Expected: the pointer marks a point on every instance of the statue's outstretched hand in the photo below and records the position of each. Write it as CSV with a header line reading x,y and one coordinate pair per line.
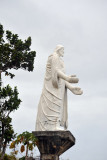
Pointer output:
x,y
73,79
77,90
73,75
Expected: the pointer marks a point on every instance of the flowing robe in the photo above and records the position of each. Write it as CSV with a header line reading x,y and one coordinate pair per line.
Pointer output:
x,y
52,108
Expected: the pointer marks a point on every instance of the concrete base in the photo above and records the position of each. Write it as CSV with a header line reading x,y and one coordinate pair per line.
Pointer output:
x,y
52,144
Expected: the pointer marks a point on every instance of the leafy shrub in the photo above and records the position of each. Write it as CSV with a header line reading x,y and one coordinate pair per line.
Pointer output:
x,y
9,157
23,158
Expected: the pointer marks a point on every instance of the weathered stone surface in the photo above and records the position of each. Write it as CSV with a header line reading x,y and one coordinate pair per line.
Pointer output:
x,y
52,144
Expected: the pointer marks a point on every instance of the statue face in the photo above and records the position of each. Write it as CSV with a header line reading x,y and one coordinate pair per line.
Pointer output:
x,y
61,52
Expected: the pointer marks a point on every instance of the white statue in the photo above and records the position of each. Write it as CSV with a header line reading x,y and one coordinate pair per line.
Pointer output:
x,y
52,109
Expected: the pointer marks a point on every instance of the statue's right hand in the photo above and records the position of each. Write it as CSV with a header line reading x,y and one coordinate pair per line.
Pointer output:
x,y
73,75
73,79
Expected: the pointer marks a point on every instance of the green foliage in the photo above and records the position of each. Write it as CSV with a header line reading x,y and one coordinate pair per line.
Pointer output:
x,y
23,158
9,157
10,103
14,53
27,140
10,96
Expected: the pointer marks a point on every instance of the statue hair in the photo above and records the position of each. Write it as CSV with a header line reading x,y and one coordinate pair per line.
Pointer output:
x,y
58,47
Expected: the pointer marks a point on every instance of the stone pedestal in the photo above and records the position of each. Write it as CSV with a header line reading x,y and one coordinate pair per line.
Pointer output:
x,y
52,144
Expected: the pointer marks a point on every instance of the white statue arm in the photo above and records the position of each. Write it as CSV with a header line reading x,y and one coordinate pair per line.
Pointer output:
x,y
70,79
74,90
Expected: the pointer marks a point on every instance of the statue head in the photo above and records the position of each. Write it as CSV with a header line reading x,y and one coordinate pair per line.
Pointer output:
x,y
59,50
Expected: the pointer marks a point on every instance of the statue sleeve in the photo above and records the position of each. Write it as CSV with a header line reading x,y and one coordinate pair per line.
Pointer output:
x,y
54,70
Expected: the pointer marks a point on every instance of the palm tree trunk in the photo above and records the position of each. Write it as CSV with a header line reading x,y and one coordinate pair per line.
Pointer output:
x,y
26,152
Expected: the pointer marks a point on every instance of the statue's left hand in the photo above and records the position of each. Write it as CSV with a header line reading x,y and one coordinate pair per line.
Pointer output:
x,y
77,90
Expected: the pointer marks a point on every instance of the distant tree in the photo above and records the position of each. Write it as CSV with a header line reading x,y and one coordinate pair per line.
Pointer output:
x,y
14,54
10,102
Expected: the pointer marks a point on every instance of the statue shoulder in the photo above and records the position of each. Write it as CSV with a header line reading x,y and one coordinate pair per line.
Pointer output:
x,y
53,57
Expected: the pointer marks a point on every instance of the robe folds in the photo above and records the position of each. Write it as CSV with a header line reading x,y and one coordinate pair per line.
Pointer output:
x,y
52,108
